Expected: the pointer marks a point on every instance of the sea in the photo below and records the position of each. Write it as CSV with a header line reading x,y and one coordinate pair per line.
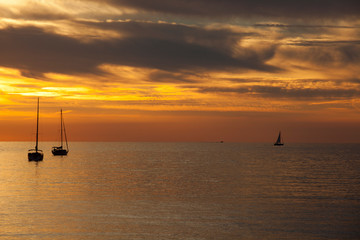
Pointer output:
x,y
195,191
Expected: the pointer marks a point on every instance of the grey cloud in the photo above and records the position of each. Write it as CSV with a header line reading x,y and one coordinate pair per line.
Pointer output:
x,y
355,80
323,53
163,76
287,93
325,43
279,25
223,39
299,30
225,8
34,51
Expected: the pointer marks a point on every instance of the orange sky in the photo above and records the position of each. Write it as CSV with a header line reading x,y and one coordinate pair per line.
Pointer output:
x,y
206,71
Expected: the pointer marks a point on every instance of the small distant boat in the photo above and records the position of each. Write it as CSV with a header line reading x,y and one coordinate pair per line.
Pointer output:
x,y
36,154
60,151
279,141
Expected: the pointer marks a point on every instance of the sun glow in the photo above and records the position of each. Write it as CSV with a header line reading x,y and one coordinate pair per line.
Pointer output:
x,y
103,61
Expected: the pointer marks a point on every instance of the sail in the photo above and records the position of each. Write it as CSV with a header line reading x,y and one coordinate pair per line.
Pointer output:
x,y
279,140
67,146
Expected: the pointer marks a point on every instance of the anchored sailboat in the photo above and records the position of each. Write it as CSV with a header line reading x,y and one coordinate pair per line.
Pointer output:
x,y
36,154
60,150
279,141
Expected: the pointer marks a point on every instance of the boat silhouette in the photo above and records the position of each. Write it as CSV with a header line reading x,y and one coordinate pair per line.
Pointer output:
x,y
60,151
36,154
279,141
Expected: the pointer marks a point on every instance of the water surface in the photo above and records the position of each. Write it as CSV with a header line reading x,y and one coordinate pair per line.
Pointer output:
x,y
181,191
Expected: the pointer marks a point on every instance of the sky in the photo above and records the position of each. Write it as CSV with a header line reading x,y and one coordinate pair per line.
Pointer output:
x,y
181,70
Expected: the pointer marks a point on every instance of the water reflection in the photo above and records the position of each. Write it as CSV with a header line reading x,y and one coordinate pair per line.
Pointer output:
x,y
181,191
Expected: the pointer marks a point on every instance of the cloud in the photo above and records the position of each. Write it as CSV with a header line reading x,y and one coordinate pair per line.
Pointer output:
x,y
310,30
310,43
297,26
164,76
34,11
54,10
323,53
33,52
166,47
281,92
243,9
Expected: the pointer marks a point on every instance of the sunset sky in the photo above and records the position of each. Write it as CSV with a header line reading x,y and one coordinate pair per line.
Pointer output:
x,y
181,70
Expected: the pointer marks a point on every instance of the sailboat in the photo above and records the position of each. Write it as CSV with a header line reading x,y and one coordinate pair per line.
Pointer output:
x,y
36,154
60,150
279,141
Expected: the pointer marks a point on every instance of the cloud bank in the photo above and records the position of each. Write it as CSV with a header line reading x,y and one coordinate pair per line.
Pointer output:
x,y
248,8
221,45
160,46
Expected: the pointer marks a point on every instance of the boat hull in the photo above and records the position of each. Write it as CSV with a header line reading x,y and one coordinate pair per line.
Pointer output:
x,y
278,144
35,156
59,152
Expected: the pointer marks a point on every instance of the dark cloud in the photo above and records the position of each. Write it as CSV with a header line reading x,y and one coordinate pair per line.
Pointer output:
x,y
354,80
301,30
326,43
167,47
163,76
279,25
243,80
34,52
247,8
279,92
323,53
222,39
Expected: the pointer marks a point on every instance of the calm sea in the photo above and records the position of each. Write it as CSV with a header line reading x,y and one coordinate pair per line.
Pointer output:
x,y
181,191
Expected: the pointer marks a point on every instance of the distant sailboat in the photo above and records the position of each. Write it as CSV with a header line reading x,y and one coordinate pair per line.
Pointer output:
x,y
279,141
36,154
60,150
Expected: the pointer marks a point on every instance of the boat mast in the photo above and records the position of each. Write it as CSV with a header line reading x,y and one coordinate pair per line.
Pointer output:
x,y
37,126
61,128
